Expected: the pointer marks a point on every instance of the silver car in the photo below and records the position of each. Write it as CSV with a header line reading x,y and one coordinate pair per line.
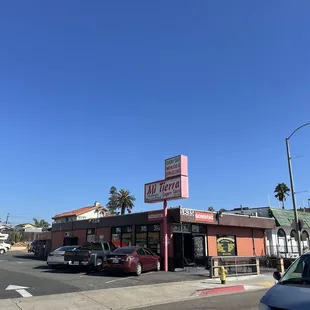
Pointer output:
x,y
56,258
293,288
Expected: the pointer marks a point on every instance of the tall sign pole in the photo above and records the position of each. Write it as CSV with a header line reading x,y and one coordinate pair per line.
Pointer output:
x,y
165,233
173,187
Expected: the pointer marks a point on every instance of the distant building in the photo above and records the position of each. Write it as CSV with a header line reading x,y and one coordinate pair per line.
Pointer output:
x,y
22,227
281,241
91,212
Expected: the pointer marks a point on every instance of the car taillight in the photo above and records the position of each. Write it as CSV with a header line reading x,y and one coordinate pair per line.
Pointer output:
x,y
62,254
89,255
129,258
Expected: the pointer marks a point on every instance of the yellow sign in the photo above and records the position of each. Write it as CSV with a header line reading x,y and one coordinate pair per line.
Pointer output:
x,y
226,245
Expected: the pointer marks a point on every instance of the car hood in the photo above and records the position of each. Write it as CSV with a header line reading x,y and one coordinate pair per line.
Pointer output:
x,y
288,297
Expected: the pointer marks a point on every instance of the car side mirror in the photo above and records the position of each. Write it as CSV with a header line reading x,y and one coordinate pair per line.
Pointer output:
x,y
277,275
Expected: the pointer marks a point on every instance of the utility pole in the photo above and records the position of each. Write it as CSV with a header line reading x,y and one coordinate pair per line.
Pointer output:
x,y
7,218
288,154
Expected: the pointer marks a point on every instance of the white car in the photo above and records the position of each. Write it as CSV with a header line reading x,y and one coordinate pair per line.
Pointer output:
x,y
5,244
293,288
56,258
3,249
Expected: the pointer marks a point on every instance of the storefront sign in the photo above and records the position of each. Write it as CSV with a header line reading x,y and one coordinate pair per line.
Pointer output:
x,y
176,166
226,245
187,212
206,217
155,216
170,189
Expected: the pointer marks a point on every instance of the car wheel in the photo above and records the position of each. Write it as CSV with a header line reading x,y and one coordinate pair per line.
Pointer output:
x,y
2,251
139,269
158,266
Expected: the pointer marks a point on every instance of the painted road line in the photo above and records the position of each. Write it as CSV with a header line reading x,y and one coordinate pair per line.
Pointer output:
x,y
118,280
24,293
19,289
267,284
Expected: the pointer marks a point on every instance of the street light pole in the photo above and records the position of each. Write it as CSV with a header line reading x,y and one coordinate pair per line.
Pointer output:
x,y
293,194
292,185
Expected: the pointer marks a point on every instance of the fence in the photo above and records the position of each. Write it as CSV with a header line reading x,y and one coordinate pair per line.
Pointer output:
x,y
235,265
29,236
268,264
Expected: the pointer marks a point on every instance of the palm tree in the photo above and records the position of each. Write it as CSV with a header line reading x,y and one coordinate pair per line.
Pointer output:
x,y
124,201
282,191
211,209
40,223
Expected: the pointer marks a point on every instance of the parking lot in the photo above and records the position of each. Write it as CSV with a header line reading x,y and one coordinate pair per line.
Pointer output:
x,y
36,278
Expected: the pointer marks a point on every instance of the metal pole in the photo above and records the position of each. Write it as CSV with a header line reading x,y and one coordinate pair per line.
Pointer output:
x,y
165,237
293,194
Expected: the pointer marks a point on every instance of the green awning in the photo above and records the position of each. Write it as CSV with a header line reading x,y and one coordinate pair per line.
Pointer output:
x,y
286,217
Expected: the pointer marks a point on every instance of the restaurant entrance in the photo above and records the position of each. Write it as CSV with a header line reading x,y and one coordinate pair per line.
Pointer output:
x,y
189,245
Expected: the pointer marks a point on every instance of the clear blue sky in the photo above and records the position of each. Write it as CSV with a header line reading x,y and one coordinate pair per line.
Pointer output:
x,y
99,93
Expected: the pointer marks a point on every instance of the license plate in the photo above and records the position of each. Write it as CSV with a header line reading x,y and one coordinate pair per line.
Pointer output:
x,y
115,260
75,263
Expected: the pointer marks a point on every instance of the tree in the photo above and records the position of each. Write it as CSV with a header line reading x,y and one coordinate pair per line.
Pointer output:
x,y
211,209
222,210
121,200
112,202
281,191
40,223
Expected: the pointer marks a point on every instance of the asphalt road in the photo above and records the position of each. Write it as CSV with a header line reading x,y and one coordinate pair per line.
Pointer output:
x,y
240,301
22,269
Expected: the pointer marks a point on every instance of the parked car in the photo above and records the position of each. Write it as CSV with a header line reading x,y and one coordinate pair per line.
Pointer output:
x,y
91,254
3,249
132,259
33,245
57,257
292,290
5,244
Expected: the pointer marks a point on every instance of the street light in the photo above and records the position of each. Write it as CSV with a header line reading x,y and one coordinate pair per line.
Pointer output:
x,y
292,184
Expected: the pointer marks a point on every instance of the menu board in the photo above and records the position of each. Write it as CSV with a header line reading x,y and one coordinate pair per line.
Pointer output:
x,y
199,246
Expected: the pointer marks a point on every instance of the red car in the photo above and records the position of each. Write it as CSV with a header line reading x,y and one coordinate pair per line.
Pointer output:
x,y
132,259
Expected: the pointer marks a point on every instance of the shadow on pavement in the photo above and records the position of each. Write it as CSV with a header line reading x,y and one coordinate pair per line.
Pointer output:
x,y
28,256
60,269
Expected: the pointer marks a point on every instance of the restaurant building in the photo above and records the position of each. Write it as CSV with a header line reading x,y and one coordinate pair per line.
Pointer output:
x,y
193,235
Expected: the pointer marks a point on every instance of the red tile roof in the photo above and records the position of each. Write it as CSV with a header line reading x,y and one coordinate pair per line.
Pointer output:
x,y
80,211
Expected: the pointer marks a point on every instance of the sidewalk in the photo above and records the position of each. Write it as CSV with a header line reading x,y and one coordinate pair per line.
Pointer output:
x,y
138,296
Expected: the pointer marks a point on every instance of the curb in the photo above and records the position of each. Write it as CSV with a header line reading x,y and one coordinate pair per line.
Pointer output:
x,y
220,290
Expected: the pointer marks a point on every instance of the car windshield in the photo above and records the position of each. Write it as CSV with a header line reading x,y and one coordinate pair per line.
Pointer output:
x,y
299,272
124,251
67,248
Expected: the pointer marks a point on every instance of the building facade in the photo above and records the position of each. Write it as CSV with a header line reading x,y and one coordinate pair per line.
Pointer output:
x,y
193,235
282,240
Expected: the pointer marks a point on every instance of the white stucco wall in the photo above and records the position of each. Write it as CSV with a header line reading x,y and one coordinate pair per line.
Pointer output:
x,y
284,247
85,216
93,214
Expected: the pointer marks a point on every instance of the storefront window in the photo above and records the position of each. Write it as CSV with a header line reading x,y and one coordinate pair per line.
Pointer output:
x,y
153,242
116,236
226,245
141,235
198,229
122,236
126,237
